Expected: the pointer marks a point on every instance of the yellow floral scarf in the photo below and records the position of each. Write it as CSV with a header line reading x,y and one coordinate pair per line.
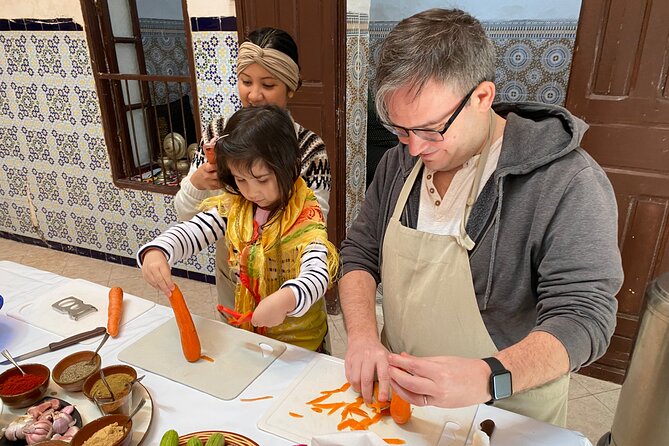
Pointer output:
x,y
266,260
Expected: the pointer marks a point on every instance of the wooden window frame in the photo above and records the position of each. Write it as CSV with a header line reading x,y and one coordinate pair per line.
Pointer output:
x,y
105,72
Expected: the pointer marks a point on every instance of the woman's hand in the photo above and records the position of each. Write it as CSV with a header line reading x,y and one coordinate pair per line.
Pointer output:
x,y
205,177
272,310
443,381
157,272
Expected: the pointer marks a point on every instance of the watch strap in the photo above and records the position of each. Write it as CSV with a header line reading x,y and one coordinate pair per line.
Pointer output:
x,y
497,368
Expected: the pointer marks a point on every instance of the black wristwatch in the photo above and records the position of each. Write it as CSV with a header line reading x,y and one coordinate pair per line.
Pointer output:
x,y
500,380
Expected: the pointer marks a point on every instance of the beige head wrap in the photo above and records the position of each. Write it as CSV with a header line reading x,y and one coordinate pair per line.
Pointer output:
x,y
279,64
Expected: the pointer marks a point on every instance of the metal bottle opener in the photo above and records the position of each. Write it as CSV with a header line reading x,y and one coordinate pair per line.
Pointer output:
x,y
74,307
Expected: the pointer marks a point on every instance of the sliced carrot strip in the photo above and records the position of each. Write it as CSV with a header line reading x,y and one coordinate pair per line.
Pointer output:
x,y
357,411
296,415
317,409
319,399
347,423
246,400
394,441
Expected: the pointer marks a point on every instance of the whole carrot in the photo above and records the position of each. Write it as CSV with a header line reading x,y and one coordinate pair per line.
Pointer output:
x,y
114,311
190,342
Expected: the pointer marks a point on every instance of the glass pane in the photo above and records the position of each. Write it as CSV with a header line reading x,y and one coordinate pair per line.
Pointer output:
x,y
163,37
138,137
121,21
126,57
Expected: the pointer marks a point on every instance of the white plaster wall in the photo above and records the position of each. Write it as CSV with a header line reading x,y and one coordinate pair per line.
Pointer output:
x,y
209,8
358,6
41,9
485,10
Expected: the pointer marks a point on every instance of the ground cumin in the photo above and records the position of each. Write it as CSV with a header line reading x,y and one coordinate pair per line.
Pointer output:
x,y
117,382
106,436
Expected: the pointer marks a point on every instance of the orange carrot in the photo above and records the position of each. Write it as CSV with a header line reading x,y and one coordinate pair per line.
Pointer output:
x,y
295,415
246,400
190,342
394,441
114,311
400,409
210,153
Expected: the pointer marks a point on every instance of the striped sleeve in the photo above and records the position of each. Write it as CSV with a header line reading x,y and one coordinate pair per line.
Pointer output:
x,y
313,280
187,238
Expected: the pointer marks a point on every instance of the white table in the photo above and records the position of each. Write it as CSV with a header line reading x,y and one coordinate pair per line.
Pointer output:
x,y
186,410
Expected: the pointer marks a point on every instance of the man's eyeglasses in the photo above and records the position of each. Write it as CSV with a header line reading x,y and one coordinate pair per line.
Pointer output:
x,y
428,134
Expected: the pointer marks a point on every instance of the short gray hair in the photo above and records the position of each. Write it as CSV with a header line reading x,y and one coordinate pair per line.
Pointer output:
x,y
445,45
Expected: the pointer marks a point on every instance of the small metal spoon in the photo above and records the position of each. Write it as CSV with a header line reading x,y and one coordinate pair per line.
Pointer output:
x,y
134,412
104,381
104,339
6,354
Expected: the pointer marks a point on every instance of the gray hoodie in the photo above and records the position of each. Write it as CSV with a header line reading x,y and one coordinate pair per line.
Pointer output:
x,y
545,227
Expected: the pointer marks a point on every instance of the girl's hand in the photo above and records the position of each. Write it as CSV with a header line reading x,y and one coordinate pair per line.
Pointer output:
x,y
157,272
205,177
272,310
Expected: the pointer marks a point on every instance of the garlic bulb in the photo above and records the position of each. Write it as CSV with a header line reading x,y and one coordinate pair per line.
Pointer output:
x,y
15,429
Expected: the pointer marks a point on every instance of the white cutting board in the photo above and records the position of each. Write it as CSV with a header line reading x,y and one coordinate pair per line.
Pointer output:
x,y
39,312
239,356
425,427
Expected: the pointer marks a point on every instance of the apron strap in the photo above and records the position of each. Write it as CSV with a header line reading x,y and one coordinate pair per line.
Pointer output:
x,y
467,242
406,189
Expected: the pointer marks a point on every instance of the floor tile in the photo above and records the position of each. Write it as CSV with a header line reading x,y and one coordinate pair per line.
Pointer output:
x,y
576,389
589,416
595,385
86,268
609,399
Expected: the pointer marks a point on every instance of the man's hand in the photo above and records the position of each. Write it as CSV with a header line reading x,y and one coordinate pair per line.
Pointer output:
x,y
445,381
205,177
157,272
272,310
367,361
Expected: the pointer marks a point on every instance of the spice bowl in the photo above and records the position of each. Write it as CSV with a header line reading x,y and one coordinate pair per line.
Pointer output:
x,y
109,372
102,427
26,397
71,372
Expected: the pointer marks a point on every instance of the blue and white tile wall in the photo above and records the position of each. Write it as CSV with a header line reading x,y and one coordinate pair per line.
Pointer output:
x,y
357,56
54,155
534,57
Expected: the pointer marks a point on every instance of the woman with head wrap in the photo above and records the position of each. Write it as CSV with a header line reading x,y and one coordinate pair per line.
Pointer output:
x,y
267,73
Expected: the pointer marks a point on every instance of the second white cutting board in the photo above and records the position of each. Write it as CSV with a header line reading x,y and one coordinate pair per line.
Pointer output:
x,y
39,312
428,426
239,356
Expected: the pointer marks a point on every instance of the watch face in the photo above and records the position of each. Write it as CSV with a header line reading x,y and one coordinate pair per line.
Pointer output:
x,y
502,386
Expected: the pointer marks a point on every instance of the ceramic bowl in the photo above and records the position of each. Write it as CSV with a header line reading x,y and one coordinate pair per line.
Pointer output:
x,y
108,371
25,399
75,386
90,428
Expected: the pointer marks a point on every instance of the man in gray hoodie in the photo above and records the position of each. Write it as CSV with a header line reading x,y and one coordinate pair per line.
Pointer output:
x,y
493,232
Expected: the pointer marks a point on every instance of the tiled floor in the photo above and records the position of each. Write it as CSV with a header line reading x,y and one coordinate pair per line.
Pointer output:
x,y
592,402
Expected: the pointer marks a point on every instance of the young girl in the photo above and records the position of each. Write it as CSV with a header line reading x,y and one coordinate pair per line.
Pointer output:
x,y
272,224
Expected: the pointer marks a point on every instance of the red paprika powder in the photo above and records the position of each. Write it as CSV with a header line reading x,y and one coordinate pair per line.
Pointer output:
x,y
16,384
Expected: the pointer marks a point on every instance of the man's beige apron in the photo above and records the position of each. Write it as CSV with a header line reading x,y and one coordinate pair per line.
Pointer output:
x,y
430,307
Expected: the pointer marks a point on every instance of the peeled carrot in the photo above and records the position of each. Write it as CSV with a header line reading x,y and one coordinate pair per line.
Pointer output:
x,y
400,409
114,311
190,342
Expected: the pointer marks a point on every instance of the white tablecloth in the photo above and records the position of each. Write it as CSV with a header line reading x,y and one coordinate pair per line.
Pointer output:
x,y
186,410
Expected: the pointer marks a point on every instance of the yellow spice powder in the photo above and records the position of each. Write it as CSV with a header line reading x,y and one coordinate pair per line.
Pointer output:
x,y
106,436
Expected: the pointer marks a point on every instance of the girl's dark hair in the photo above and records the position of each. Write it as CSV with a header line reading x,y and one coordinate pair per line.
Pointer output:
x,y
275,38
264,133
